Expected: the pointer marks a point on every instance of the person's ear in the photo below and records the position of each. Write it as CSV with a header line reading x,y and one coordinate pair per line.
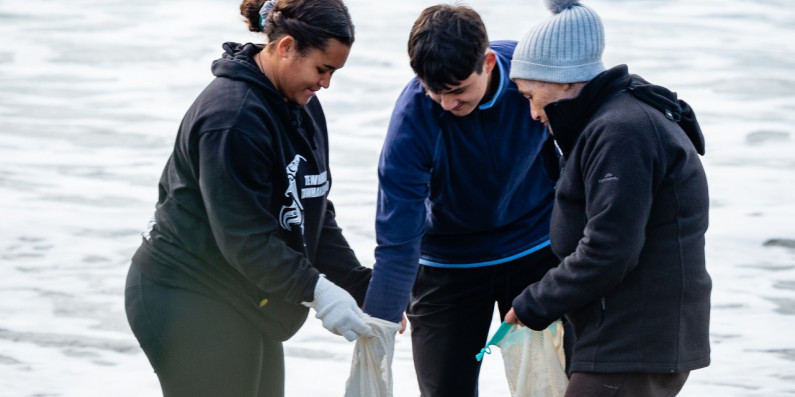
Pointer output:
x,y
285,45
490,61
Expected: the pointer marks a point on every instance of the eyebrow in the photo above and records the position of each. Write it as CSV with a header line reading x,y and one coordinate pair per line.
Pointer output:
x,y
457,89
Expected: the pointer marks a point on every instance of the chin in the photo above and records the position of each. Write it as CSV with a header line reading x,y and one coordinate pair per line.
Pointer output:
x,y
463,111
302,100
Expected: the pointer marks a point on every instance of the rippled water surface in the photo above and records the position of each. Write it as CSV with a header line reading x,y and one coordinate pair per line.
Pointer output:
x,y
91,93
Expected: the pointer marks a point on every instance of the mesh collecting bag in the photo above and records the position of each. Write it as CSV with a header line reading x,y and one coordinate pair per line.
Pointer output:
x,y
534,360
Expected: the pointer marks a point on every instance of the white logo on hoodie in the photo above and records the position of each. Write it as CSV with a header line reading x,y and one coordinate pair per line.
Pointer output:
x,y
314,186
292,214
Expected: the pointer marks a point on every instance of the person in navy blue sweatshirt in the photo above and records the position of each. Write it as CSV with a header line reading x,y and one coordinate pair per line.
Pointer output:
x,y
631,213
466,181
243,227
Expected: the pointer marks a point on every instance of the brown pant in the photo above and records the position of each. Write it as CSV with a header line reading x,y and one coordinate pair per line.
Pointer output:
x,y
589,384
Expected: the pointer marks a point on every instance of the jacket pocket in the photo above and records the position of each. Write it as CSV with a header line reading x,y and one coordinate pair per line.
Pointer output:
x,y
588,318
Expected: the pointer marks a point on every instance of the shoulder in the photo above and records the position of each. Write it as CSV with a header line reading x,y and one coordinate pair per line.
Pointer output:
x,y
415,122
413,92
503,48
231,105
626,113
623,125
414,105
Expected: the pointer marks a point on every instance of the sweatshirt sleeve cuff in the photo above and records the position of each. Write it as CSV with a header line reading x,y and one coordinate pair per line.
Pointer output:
x,y
523,306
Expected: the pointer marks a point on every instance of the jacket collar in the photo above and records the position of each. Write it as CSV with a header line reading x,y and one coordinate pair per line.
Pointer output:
x,y
569,117
502,83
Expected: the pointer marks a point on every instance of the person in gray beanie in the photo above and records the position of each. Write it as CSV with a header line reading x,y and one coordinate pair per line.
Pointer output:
x,y
629,219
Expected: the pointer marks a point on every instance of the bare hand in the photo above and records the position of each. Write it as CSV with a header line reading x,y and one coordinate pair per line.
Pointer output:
x,y
511,318
403,324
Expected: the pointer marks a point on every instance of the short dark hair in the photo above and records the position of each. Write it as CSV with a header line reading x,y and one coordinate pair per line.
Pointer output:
x,y
446,45
310,22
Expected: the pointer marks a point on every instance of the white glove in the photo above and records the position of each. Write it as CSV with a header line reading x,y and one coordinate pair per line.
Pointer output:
x,y
338,311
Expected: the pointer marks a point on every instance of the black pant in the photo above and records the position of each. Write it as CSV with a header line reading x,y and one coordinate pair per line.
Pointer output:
x,y
588,384
199,346
450,313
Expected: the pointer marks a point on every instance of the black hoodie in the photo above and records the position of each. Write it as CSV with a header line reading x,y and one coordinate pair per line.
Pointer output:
x,y
631,211
243,214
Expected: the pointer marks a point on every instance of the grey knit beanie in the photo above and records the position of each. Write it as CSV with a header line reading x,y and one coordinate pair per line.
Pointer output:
x,y
565,48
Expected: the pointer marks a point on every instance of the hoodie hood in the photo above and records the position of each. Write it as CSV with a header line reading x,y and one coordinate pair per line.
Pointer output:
x,y
673,108
237,63
568,117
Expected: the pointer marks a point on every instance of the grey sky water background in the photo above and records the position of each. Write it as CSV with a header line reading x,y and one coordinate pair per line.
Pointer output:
x,y
91,94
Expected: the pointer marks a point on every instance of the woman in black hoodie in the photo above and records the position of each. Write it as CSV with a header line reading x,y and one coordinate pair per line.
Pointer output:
x,y
243,230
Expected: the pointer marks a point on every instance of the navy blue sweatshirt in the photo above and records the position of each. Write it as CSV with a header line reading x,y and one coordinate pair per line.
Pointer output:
x,y
243,214
458,191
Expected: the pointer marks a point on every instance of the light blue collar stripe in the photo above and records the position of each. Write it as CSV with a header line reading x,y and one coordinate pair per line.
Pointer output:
x,y
497,94
483,264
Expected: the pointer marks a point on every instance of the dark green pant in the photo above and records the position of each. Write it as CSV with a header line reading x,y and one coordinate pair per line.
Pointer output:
x,y
200,346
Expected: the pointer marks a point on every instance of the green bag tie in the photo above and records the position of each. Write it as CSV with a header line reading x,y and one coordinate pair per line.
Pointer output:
x,y
501,332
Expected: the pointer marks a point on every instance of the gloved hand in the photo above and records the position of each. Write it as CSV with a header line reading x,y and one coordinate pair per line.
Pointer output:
x,y
337,309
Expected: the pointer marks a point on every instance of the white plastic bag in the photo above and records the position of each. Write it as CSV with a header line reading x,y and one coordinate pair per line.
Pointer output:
x,y
535,363
371,367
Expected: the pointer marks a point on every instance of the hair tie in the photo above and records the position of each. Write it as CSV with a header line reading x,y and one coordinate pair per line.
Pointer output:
x,y
263,13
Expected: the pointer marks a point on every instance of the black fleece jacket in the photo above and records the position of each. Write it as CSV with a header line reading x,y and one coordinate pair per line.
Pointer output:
x,y
631,211
243,213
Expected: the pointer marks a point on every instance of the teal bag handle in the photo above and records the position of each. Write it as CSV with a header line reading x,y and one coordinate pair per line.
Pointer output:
x,y
501,332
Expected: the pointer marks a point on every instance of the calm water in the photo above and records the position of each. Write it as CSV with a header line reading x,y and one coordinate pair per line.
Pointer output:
x,y
91,93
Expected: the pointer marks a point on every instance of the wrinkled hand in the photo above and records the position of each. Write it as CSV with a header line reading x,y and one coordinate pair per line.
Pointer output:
x,y
337,309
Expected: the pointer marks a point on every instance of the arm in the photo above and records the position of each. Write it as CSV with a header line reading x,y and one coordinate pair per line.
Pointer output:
x,y
238,201
616,211
338,262
333,256
404,173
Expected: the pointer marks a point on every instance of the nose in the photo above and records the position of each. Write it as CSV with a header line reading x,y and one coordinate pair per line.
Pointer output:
x,y
448,102
534,113
325,80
